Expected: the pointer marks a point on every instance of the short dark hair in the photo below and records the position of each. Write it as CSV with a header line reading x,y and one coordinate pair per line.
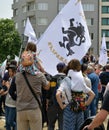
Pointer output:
x,y
60,66
31,47
84,67
107,66
74,64
13,62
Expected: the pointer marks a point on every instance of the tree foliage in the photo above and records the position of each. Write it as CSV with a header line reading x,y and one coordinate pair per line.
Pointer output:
x,y
10,40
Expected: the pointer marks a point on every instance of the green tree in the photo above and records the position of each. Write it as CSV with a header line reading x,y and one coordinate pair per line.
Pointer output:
x,y
10,40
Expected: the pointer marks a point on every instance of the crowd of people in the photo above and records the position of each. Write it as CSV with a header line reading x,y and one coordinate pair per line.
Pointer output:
x,y
30,97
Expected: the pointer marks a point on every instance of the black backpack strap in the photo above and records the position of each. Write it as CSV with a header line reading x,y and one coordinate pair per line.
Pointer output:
x,y
32,91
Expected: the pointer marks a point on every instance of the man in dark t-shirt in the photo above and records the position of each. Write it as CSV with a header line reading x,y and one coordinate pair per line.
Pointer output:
x,y
104,79
101,116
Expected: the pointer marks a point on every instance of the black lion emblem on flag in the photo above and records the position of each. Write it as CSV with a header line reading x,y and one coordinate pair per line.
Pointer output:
x,y
73,36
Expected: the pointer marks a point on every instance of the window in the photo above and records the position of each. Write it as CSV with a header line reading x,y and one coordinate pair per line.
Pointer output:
x,y
15,12
24,9
105,21
42,6
107,45
61,6
42,21
106,32
105,0
32,20
88,7
90,22
16,1
91,36
40,34
16,25
23,23
105,9
31,6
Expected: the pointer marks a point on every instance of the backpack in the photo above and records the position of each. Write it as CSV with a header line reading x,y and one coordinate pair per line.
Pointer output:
x,y
27,58
55,83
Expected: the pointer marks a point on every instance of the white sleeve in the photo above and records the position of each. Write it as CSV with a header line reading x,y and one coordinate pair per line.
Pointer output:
x,y
86,89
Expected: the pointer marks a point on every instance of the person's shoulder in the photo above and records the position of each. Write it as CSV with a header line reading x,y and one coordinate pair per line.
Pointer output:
x,y
59,75
106,96
107,73
39,74
6,76
103,73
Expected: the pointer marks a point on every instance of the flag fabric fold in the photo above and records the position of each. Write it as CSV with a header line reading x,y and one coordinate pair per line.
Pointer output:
x,y
16,59
29,32
66,38
103,52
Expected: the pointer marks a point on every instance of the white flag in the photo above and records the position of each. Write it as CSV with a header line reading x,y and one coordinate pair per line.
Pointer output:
x,y
16,59
103,52
66,38
3,68
29,32
32,39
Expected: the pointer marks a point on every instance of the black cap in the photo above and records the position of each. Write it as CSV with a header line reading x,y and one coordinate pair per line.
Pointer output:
x,y
60,66
12,67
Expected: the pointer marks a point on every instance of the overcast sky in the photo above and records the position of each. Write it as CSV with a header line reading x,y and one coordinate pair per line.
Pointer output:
x,y
5,9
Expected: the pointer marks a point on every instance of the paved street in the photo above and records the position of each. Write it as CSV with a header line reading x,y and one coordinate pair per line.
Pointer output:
x,y
2,123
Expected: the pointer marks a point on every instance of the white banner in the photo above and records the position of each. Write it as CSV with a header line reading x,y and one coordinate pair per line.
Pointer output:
x,y
16,59
103,53
66,38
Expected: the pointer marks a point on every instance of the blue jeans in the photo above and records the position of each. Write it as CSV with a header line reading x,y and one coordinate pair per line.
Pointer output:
x,y
87,113
72,120
10,115
93,107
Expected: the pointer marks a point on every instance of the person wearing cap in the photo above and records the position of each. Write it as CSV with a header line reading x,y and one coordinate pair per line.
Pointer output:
x,y
104,79
10,104
4,89
54,112
13,63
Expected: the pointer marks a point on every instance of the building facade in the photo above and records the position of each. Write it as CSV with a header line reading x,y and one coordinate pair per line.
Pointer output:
x,y
104,21
42,12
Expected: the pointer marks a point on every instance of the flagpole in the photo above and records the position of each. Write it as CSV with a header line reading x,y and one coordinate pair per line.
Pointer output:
x,y
21,47
20,51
